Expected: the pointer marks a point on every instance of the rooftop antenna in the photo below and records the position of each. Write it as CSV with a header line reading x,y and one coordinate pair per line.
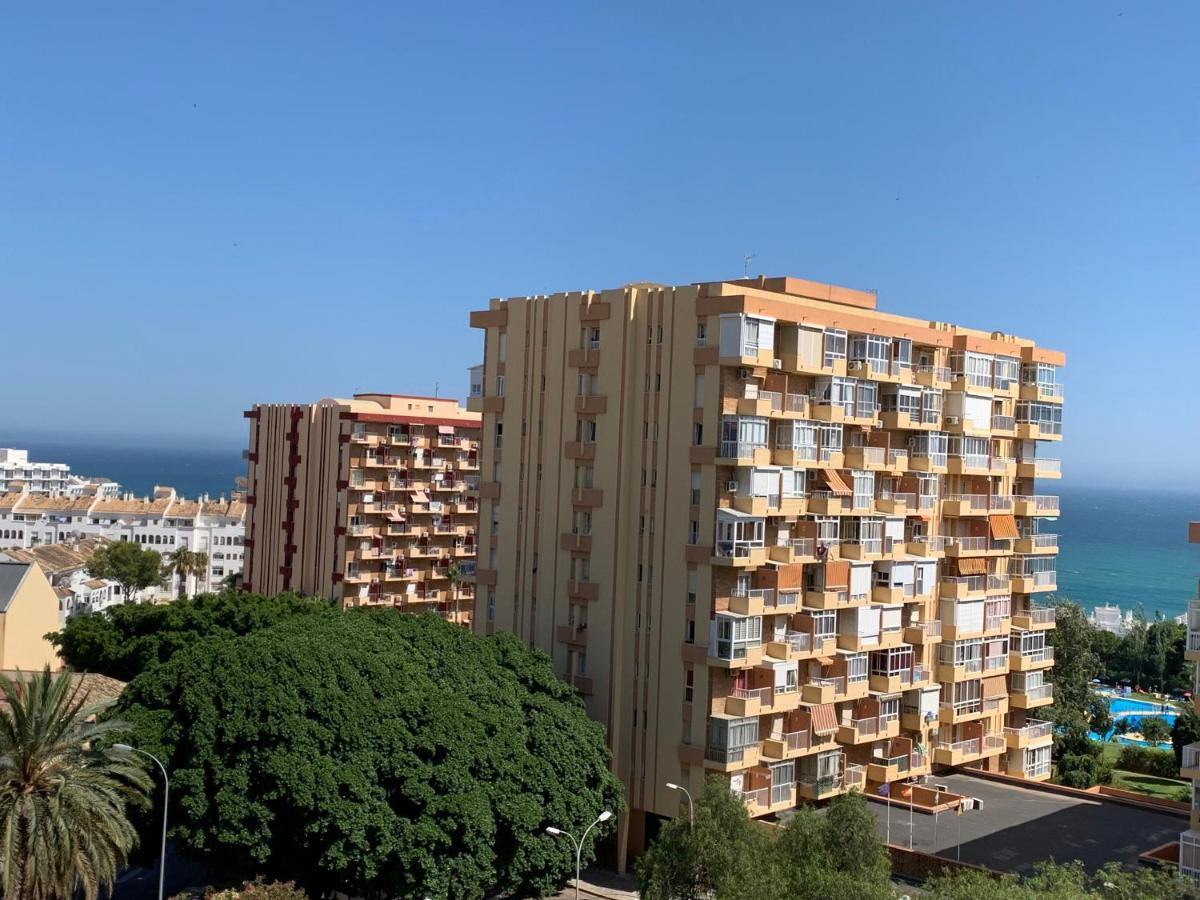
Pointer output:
x,y
746,264
437,386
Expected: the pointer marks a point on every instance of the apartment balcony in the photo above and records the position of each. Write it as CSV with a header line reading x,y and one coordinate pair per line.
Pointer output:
x,y
1002,465
831,598
575,636
1046,393
928,632
1031,660
965,505
1034,619
1034,733
894,594
872,459
1036,505
743,702
881,640
1004,426
962,671
962,587
1039,468
591,404
583,357
739,554
972,545
894,682
1034,582
719,759
958,753
1030,771
828,412
1191,649
575,543
1036,545
897,504
933,376
788,746
832,690
905,765
1032,697
1035,431
928,546
853,778
964,711
752,601
794,645
827,503
796,550
583,590
797,457
739,658
740,453
1189,767
865,549
757,506
868,730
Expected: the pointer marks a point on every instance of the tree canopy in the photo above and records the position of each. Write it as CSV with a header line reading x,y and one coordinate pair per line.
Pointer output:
x,y
1054,881
833,855
125,640
375,754
130,565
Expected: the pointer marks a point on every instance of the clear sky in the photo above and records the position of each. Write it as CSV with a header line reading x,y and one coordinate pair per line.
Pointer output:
x,y
203,206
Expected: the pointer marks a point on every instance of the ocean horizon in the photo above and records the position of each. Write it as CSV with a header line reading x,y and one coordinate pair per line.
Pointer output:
x,y
1117,545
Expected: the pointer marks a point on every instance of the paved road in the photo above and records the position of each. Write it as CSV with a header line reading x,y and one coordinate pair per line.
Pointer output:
x,y
1018,827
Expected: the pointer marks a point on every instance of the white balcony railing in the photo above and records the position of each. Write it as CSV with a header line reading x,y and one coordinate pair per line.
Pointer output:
x,y
1003,423
738,449
800,546
1032,730
972,583
1041,615
1191,756
974,502
1042,503
940,373
762,695
796,403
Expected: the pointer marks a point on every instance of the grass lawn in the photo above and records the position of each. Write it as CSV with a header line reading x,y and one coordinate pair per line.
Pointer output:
x,y
1167,788
1150,698
1111,751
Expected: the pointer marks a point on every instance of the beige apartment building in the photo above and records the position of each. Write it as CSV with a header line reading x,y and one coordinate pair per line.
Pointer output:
x,y
771,533
1189,841
371,500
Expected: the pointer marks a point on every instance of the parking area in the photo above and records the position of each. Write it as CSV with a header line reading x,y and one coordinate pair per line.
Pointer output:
x,y
1018,827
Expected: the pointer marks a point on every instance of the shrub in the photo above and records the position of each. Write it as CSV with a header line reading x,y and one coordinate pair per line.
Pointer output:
x,y
1148,761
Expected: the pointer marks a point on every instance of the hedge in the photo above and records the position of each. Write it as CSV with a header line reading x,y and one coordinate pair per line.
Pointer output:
x,y
1148,761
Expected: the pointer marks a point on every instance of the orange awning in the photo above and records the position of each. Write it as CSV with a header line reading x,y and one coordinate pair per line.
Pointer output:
x,y
1003,527
836,484
972,565
995,687
825,660
837,574
824,718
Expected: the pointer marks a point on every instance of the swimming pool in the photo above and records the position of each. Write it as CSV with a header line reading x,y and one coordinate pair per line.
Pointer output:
x,y
1132,712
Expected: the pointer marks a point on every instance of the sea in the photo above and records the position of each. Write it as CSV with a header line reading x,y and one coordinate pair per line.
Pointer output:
x,y
1117,545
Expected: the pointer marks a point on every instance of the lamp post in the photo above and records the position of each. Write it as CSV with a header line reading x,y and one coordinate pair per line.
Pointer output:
x,y
684,791
162,860
578,844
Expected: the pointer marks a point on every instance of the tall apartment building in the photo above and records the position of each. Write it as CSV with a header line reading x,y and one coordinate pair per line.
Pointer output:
x,y
371,500
771,533
1189,841
35,477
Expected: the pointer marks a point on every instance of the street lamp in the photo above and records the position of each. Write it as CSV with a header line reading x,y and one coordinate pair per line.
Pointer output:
x,y
684,791
162,862
578,844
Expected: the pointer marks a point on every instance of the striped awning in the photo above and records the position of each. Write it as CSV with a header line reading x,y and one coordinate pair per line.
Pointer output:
x,y
824,718
972,565
1003,527
837,574
836,484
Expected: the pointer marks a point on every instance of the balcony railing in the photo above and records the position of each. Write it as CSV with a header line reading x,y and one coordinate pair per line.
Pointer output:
x,y
762,695
1040,615
873,456
739,449
1031,730
993,742
1043,541
969,747
1003,423
854,778
863,727
897,459
1037,769
1041,654
909,500
969,543
940,373
1191,756
970,582
797,641
766,595
736,549
994,622
974,502
998,582
1000,503
932,628
1040,692
726,754
754,798
797,740
801,546
1193,640
1042,503
1045,464
838,684
797,403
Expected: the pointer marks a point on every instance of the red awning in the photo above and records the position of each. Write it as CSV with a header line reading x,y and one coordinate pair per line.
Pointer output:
x,y
836,484
824,718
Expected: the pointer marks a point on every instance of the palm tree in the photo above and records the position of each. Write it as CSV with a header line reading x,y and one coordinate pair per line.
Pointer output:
x,y
182,563
63,794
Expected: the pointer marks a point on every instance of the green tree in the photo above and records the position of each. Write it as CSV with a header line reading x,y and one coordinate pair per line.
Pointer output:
x,y
1155,730
375,754
63,793
184,563
1099,718
130,565
1105,648
1186,730
833,856
123,641
1054,881
1074,665
1134,647
1121,725
1079,760
721,856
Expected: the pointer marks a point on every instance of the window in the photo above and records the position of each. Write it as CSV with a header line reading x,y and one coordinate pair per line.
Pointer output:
x,y
1008,370
499,388
729,738
498,436
698,389
591,338
697,434
689,685
501,346
835,346
585,431
692,580
701,334
736,635
694,496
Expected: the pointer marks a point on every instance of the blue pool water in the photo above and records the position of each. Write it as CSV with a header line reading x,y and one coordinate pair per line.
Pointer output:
x,y
1133,711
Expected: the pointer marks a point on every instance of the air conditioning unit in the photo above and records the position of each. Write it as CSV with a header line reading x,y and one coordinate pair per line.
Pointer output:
x,y
952,420
745,374
855,365
777,363
731,486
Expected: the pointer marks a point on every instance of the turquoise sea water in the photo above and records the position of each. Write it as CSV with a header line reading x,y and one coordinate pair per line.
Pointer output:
x,y
1126,547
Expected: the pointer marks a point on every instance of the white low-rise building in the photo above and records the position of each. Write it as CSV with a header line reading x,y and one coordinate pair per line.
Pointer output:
x,y
164,522
65,566
37,477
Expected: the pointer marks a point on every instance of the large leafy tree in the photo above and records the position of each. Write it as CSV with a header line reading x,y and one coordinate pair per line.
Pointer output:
x,y
130,565
123,641
63,793
1053,881
1074,665
375,754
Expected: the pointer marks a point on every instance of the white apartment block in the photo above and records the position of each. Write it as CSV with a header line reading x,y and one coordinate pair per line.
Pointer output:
x,y
163,522
37,477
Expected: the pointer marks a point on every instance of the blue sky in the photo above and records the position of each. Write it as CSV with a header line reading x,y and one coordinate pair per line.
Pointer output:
x,y
207,206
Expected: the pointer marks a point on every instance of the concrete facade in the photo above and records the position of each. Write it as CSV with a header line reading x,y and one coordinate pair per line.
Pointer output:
x,y
1189,841
770,532
28,612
